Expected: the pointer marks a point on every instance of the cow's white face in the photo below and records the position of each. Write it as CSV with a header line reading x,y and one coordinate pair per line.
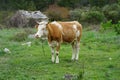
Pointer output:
x,y
41,26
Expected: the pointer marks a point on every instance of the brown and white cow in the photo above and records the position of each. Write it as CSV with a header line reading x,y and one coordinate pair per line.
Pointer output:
x,y
58,32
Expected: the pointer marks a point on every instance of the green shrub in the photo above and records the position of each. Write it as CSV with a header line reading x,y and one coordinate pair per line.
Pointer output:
x,y
112,12
75,14
87,16
94,17
106,25
4,16
109,25
114,15
68,3
99,3
95,8
117,27
21,36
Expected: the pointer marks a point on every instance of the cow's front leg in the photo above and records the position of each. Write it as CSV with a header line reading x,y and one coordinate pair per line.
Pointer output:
x,y
52,52
57,53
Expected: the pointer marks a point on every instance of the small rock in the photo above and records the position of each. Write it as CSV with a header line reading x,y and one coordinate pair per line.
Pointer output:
x,y
6,50
31,36
68,77
27,43
110,58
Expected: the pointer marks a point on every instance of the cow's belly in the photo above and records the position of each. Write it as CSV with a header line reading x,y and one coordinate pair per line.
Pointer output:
x,y
68,37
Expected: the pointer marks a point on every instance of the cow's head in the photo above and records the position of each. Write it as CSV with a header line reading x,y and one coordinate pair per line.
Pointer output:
x,y
41,27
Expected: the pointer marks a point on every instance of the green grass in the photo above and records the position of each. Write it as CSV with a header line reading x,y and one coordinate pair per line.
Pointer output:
x,y
30,63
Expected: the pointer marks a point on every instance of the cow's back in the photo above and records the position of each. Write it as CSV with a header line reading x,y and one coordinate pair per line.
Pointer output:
x,y
64,31
70,31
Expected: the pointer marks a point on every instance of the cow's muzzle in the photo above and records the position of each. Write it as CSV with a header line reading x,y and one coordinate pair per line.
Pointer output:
x,y
36,36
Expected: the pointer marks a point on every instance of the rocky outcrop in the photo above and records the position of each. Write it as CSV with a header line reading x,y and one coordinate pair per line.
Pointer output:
x,y
24,18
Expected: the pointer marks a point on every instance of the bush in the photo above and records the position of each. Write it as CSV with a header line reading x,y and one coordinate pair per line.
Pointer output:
x,y
87,16
75,14
94,17
117,27
21,36
99,3
112,12
55,12
109,25
4,17
68,3
95,8
106,25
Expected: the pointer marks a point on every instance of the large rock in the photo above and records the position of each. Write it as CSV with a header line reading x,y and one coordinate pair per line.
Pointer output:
x,y
24,18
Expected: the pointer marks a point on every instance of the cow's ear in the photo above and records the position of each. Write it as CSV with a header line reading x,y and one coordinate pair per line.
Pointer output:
x,y
36,26
37,22
45,22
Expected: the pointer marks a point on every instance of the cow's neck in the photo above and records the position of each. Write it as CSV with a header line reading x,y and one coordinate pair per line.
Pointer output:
x,y
45,34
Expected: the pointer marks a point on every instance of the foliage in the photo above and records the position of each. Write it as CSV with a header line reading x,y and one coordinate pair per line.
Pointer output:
x,y
95,8
43,4
98,10
108,25
55,12
117,27
68,3
4,16
99,3
94,17
87,16
112,12
75,14
21,36
22,4
119,2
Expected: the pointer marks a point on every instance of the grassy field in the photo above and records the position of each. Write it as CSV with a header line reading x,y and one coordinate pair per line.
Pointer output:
x,y
99,58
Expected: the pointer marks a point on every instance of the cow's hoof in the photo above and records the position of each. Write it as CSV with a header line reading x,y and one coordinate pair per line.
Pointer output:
x,y
57,62
72,59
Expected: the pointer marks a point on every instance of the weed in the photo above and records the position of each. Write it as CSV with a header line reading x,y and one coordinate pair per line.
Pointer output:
x,y
21,36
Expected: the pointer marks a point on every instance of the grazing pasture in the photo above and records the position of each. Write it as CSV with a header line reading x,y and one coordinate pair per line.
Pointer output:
x,y
99,57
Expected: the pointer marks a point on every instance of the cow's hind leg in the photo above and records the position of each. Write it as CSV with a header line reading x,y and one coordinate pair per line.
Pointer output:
x,y
73,51
77,50
57,53
52,57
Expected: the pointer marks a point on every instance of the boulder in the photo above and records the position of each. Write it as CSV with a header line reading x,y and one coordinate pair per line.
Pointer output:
x,y
24,18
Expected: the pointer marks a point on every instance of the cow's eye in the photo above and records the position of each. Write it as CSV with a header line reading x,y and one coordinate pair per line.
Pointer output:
x,y
36,26
43,28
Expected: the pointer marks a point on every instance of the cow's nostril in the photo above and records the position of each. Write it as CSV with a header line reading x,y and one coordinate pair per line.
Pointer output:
x,y
36,36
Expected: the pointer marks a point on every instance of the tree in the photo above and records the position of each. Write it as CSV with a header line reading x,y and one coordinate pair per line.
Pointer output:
x,y
41,4
101,3
68,3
